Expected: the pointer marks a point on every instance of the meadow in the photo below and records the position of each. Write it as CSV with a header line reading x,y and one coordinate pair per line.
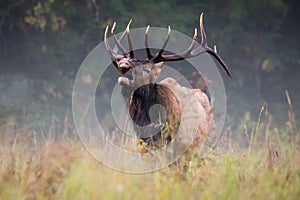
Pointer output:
x,y
266,166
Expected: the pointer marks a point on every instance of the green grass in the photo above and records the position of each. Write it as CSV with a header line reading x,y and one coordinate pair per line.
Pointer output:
x,y
35,168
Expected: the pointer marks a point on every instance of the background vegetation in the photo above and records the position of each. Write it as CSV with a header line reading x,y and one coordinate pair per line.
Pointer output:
x,y
42,44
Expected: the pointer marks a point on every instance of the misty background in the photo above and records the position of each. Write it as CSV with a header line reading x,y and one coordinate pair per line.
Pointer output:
x,y
43,43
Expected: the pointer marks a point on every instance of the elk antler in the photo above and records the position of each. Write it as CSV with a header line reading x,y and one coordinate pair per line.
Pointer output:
x,y
190,52
159,57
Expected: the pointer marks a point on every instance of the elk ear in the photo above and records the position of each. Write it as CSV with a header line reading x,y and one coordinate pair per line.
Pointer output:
x,y
158,65
156,69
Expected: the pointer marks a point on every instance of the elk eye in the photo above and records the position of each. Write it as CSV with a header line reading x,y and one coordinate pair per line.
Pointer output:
x,y
147,71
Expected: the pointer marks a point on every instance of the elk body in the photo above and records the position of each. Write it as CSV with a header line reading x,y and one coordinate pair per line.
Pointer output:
x,y
159,109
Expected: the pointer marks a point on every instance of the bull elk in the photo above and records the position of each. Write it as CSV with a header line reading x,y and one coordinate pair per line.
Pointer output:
x,y
141,91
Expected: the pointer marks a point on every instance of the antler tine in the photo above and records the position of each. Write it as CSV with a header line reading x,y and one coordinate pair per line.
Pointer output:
x,y
149,55
159,54
122,36
120,39
207,49
187,53
180,56
202,31
131,53
121,48
113,55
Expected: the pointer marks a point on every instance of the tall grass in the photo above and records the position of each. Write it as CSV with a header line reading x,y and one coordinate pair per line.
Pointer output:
x,y
43,167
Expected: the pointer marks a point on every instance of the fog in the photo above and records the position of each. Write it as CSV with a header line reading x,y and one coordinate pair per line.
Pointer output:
x,y
43,47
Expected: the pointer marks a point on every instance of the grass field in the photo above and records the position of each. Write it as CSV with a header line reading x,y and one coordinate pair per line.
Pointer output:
x,y
267,167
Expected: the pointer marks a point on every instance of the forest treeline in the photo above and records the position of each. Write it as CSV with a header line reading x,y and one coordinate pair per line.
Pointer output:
x,y
43,43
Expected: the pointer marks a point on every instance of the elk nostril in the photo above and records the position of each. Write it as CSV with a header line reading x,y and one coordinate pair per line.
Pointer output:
x,y
125,65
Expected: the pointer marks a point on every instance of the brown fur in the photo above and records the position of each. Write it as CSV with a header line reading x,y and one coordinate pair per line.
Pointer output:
x,y
186,108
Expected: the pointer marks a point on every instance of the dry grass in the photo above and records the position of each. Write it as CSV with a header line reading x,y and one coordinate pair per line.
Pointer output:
x,y
34,167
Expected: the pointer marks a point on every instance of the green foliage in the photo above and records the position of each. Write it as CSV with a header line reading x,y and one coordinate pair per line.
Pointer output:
x,y
52,37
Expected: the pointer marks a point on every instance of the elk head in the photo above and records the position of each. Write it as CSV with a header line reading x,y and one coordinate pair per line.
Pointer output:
x,y
139,77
